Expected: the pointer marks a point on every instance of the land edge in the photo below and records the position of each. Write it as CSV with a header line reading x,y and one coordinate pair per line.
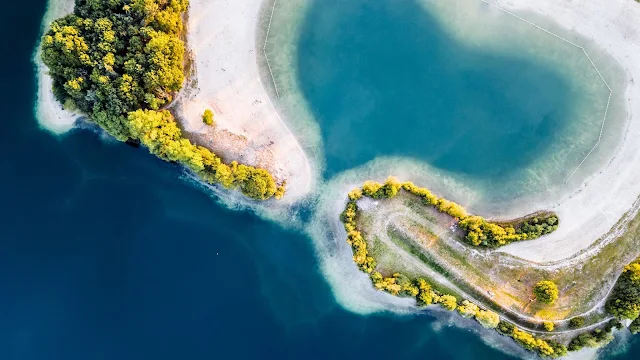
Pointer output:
x,y
460,293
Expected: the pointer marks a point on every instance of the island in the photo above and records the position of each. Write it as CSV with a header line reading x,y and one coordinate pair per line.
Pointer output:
x,y
554,266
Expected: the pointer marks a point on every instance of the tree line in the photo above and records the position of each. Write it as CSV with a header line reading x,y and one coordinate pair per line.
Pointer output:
x,y
479,231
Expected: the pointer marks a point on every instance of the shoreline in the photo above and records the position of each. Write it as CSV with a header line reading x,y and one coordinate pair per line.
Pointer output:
x,y
50,114
226,79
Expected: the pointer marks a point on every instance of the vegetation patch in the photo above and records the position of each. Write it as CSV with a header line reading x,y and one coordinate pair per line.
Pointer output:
x,y
624,301
420,289
546,291
207,118
479,231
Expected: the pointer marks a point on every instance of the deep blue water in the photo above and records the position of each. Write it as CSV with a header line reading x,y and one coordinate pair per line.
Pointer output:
x,y
105,253
383,78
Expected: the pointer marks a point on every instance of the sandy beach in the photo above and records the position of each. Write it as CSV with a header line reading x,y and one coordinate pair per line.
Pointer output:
x,y
226,80
50,114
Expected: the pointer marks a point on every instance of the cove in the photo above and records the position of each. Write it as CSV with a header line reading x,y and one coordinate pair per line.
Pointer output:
x,y
384,78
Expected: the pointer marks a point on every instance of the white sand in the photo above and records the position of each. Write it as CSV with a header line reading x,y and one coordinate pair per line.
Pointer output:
x,y
223,38
49,112
597,206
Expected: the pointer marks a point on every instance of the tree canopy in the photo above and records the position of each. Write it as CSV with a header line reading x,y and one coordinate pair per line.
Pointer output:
x,y
546,291
624,301
207,117
112,57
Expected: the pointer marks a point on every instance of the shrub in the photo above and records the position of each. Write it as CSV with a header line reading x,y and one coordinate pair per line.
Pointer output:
x,y
488,319
597,338
546,291
448,302
532,343
505,328
468,309
546,348
576,322
158,131
635,326
207,117
479,231
548,326
355,194
425,293
387,190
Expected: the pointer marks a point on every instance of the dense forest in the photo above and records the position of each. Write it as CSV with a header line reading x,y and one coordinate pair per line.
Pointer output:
x,y
120,62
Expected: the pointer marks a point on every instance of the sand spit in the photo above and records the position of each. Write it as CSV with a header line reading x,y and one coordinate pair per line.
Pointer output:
x,y
593,210
225,49
49,112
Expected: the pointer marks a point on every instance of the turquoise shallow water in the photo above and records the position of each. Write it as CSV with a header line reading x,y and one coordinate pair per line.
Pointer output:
x,y
384,78
108,253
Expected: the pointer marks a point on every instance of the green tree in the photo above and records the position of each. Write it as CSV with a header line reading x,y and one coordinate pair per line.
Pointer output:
x,y
425,294
207,117
468,309
120,62
546,291
576,322
624,301
448,302
488,319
